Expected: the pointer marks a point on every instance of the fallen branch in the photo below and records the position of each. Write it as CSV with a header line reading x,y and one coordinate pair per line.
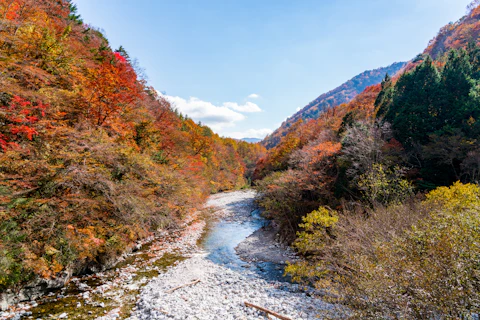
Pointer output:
x,y
273,313
184,285
161,310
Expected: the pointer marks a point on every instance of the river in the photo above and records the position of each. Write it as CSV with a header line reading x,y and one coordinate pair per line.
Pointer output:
x,y
204,250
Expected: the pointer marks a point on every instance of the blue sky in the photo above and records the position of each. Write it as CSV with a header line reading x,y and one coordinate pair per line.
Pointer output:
x,y
244,66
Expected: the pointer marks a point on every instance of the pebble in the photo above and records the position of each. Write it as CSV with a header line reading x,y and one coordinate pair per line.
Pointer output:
x,y
222,292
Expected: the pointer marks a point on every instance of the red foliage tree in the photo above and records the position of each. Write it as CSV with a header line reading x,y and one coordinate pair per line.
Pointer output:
x,y
18,119
110,88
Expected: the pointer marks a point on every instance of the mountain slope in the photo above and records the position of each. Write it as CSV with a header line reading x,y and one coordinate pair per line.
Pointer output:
x,y
342,94
91,158
457,34
454,35
344,183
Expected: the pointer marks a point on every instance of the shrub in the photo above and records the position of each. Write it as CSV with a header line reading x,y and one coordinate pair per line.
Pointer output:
x,y
380,185
433,269
419,259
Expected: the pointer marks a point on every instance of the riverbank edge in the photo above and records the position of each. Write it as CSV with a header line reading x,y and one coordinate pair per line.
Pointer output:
x,y
39,287
201,221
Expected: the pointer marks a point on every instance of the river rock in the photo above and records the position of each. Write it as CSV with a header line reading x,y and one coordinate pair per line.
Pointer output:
x,y
222,292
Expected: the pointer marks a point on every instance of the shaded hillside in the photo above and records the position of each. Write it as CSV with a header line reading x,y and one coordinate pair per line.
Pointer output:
x,y
342,94
331,126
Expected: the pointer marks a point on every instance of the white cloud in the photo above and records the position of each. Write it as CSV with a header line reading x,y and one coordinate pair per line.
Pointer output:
x,y
216,117
250,133
298,109
253,96
247,107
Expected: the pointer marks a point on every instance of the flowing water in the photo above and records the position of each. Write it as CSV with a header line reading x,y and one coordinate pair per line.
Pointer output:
x,y
114,292
224,237
227,233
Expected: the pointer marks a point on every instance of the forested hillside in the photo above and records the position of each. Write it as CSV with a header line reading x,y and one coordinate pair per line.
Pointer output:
x,y
457,34
91,158
380,194
342,94
377,190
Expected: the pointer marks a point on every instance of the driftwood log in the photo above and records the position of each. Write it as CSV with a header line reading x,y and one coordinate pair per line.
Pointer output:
x,y
273,313
161,310
184,285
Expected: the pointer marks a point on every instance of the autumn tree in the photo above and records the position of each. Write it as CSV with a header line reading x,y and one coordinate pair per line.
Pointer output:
x,y
109,88
17,119
73,195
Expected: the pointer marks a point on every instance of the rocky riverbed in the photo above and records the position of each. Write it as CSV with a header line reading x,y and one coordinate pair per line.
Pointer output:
x,y
112,294
225,285
263,245
221,294
141,286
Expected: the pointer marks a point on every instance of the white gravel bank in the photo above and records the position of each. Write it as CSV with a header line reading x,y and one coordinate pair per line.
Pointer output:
x,y
222,292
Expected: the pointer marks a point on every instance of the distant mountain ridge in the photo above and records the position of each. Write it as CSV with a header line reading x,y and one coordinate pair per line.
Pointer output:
x,y
251,140
342,94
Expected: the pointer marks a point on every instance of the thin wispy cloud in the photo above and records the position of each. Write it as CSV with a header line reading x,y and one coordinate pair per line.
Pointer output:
x,y
250,133
247,107
219,117
253,96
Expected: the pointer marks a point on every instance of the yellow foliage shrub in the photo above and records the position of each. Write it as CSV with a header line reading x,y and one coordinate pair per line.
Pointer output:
x,y
416,260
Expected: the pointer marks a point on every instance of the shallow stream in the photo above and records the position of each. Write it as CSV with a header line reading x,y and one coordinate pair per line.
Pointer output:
x,y
226,234
113,293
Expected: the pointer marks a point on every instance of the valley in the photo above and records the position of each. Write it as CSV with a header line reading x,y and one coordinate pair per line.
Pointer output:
x,y
119,200
204,249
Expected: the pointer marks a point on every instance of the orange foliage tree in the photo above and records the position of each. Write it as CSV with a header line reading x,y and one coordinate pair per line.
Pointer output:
x,y
109,88
76,193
